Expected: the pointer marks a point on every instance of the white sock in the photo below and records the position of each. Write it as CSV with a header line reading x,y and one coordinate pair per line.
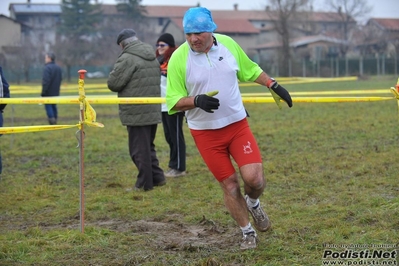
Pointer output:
x,y
253,203
247,229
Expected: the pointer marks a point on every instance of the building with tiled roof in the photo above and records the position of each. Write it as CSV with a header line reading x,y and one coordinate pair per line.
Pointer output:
x,y
385,24
169,19
41,18
379,35
312,34
249,27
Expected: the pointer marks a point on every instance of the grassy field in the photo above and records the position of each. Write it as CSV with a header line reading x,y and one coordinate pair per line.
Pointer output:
x,y
332,182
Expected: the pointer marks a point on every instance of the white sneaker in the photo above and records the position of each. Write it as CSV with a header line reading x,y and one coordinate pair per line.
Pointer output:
x,y
261,220
248,241
175,173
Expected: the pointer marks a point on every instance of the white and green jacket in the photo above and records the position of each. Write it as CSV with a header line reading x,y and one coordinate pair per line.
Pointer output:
x,y
191,73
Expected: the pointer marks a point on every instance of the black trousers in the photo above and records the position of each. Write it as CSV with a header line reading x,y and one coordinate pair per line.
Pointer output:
x,y
143,154
173,129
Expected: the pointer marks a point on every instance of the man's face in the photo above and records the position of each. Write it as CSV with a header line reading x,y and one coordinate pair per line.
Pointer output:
x,y
200,42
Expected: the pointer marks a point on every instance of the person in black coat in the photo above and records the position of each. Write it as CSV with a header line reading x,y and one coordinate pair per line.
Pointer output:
x,y
4,93
51,85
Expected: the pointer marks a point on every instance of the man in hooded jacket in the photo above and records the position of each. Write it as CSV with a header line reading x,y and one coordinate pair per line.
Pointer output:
x,y
136,74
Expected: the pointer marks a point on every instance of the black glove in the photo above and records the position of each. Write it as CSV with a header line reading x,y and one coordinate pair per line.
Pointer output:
x,y
280,91
206,103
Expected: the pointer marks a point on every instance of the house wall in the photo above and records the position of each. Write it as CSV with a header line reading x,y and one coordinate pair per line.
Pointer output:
x,y
10,32
319,50
153,28
244,40
42,28
176,32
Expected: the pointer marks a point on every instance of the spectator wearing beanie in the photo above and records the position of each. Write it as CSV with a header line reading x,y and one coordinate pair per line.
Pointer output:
x,y
126,36
172,124
136,74
168,39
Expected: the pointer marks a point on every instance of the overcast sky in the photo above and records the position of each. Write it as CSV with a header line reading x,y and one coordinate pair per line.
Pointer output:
x,y
381,8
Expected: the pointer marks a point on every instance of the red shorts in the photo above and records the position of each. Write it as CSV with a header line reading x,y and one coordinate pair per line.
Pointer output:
x,y
216,146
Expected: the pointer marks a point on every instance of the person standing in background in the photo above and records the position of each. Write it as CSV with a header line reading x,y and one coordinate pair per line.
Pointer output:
x,y
4,93
51,85
136,74
172,124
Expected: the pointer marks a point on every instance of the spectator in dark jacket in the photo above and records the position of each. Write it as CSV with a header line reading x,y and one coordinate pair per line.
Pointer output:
x,y
51,85
136,74
4,93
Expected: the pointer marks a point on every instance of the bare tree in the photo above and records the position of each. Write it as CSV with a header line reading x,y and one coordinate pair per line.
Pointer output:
x,y
285,14
30,55
130,14
370,40
349,12
73,51
77,33
20,59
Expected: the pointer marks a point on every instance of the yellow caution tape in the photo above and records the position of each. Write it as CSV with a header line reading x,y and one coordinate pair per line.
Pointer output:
x,y
103,87
396,94
37,91
89,114
44,100
316,99
64,87
94,100
23,129
88,111
298,80
157,100
382,91
13,130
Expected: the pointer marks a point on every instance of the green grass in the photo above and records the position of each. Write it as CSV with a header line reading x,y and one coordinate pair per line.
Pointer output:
x,y
332,178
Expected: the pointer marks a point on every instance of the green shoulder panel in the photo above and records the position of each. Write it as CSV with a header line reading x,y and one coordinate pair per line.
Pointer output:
x,y
176,81
248,69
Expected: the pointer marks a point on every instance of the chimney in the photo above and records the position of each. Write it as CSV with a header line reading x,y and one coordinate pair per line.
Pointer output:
x,y
235,7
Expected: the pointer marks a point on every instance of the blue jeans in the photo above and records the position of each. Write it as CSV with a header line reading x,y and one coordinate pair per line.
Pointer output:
x,y
51,110
1,125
